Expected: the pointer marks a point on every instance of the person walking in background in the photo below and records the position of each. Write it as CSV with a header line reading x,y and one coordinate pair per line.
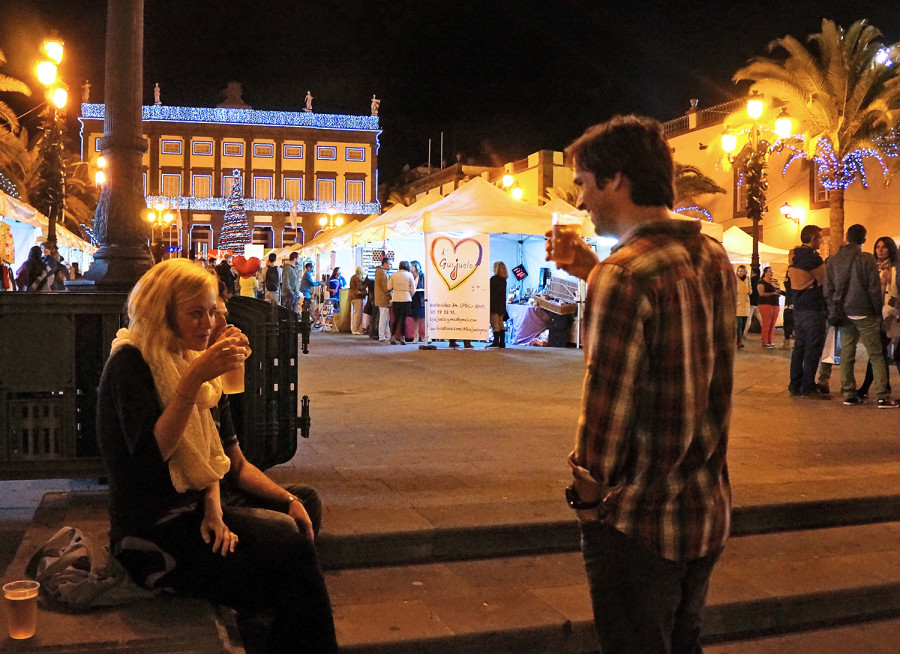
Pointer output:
x,y
307,284
273,280
742,308
498,304
853,291
358,293
650,483
290,283
383,300
806,272
226,274
335,283
885,252
34,275
417,315
402,287
768,306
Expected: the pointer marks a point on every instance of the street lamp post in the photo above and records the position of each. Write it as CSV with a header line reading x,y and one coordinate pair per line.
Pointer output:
x,y
753,158
159,222
332,220
52,143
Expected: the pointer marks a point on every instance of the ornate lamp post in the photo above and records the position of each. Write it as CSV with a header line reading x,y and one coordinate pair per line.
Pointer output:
x,y
753,160
159,222
332,220
52,144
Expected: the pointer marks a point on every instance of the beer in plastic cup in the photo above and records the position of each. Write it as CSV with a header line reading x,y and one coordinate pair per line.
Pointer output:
x,y
21,608
566,229
233,381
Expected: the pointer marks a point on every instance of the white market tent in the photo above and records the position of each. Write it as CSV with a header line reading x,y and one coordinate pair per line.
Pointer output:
x,y
739,247
28,225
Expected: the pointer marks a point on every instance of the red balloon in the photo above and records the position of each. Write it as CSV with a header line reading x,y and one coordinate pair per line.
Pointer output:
x,y
245,267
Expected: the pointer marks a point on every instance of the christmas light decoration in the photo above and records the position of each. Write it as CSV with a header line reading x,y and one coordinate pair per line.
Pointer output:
x,y
696,208
235,230
266,206
834,174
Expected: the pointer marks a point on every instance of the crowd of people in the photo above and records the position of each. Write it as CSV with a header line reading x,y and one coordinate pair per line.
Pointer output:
x,y
43,270
848,299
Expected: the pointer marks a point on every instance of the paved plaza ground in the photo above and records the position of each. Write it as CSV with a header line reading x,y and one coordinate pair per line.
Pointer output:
x,y
407,441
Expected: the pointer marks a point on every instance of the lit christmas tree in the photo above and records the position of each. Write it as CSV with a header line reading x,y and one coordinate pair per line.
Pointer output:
x,y
235,230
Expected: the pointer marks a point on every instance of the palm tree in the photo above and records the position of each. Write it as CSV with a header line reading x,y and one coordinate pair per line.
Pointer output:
x,y
13,139
690,182
846,98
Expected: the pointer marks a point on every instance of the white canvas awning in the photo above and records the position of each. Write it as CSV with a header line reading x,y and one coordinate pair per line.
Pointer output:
x,y
739,246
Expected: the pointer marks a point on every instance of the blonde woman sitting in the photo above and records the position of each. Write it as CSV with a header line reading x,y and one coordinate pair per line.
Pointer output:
x,y
164,460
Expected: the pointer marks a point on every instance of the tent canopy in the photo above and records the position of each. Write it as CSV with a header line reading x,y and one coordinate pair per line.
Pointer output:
x,y
739,247
479,206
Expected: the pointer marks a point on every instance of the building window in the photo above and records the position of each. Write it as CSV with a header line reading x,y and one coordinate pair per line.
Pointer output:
x,y
263,150
201,186
170,185
233,149
819,196
169,146
263,236
202,148
325,190
293,151
327,152
144,183
293,188
290,236
227,181
355,190
740,193
97,144
355,154
262,188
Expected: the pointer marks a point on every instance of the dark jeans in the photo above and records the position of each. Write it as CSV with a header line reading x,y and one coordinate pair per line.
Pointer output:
x,y
307,495
272,567
809,339
643,604
398,326
741,324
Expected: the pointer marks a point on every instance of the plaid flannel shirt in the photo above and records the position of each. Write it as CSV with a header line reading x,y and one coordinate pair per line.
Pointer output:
x,y
659,350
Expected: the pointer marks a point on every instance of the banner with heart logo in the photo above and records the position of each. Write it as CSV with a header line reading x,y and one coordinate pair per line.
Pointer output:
x,y
457,285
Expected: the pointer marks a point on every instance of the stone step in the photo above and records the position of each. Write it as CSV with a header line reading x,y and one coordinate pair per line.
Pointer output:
x,y
765,584
557,532
877,637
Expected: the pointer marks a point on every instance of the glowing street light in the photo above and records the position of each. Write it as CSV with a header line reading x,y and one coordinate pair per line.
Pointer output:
x,y
46,73
52,145
332,220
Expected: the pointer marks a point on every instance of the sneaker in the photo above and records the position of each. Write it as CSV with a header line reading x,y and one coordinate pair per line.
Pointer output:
x,y
770,346
814,395
822,389
854,400
887,403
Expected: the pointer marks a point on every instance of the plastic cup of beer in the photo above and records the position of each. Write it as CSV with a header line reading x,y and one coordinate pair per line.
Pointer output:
x,y
233,381
566,230
21,608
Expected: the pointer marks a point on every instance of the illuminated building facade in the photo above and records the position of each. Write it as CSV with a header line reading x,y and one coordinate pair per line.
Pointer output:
x,y
306,161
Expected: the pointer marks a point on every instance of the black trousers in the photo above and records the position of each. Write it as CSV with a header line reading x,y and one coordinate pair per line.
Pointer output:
x,y
273,567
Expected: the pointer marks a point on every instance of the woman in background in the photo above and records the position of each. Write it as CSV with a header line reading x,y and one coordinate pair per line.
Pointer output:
x,y
498,304
742,310
885,252
768,306
358,292
417,312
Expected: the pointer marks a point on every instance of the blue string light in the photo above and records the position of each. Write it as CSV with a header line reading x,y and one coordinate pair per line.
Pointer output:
x,y
837,174
696,208
221,115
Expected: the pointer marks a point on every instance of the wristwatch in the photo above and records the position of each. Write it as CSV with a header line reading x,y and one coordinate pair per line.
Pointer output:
x,y
576,502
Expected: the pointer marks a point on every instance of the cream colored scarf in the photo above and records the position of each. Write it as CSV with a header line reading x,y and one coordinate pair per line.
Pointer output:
x,y
199,458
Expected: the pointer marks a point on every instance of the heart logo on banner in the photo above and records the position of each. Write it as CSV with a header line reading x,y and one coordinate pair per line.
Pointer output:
x,y
245,267
455,261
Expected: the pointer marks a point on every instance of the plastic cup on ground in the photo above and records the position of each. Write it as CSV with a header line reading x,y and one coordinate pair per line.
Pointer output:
x,y
21,608
566,230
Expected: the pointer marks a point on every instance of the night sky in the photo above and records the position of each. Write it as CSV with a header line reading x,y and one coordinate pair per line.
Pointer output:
x,y
501,79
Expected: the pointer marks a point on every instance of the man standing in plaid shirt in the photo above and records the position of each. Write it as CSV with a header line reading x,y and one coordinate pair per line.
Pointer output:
x,y
650,487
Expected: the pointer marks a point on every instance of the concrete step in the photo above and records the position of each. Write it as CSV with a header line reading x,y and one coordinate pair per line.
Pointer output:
x,y
551,527
765,584
878,637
